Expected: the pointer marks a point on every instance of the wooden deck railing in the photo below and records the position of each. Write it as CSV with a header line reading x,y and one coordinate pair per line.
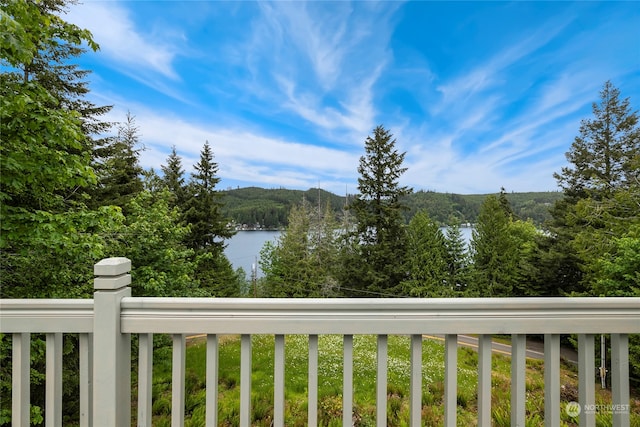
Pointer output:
x,y
105,325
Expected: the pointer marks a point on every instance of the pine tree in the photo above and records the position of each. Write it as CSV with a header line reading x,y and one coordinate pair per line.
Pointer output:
x,y
209,228
457,259
598,221
53,47
286,263
375,250
302,262
173,177
505,204
50,64
118,168
602,154
494,252
604,167
203,205
427,259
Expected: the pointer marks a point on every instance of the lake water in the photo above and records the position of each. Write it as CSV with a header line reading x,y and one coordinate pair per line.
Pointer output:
x,y
243,249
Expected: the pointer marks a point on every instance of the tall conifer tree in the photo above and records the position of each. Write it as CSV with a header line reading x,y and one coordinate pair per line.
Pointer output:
x,y
457,259
45,155
48,237
603,170
118,168
173,177
494,252
597,225
427,259
203,205
373,258
602,155
302,262
209,228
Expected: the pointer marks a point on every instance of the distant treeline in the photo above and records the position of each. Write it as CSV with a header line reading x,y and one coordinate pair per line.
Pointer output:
x,y
269,208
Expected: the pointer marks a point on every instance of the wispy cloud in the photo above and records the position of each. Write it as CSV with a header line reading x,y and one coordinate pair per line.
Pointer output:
x,y
322,64
287,92
243,156
499,124
119,39
492,72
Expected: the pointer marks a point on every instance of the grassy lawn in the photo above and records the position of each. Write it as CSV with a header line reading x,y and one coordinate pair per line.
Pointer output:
x,y
330,384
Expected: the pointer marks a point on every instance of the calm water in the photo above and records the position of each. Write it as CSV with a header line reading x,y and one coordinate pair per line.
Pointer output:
x,y
243,249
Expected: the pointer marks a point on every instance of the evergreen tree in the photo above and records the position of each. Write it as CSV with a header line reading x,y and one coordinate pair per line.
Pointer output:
x,y
457,259
326,248
559,265
49,62
286,263
505,204
602,244
209,228
118,169
46,57
375,250
173,177
603,167
427,259
203,206
494,252
505,252
152,182
602,154
302,262
598,221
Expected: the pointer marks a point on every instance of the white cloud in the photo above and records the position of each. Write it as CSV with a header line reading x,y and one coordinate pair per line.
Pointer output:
x,y
504,128
492,72
323,73
115,31
241,155
320,64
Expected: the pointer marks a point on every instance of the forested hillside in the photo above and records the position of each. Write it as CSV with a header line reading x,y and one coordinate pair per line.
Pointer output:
x,y
270,207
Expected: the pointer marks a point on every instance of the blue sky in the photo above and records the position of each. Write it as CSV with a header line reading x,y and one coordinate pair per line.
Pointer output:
x,y
480,95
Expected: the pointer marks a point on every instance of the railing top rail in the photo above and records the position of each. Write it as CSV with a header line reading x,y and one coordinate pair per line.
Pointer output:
x,y
324,316
388,303
46,315
381,316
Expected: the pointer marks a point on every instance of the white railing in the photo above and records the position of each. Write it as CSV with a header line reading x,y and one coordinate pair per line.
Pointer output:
x,y
105,325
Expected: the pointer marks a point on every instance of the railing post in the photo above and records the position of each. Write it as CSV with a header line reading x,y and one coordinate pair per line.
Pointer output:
x,y
21,380
518,382
620,379
111,348
450,379
586,380
415,382
552,380
484,380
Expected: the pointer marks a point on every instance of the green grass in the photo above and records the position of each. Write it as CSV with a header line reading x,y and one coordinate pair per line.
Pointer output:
x,y
364,368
